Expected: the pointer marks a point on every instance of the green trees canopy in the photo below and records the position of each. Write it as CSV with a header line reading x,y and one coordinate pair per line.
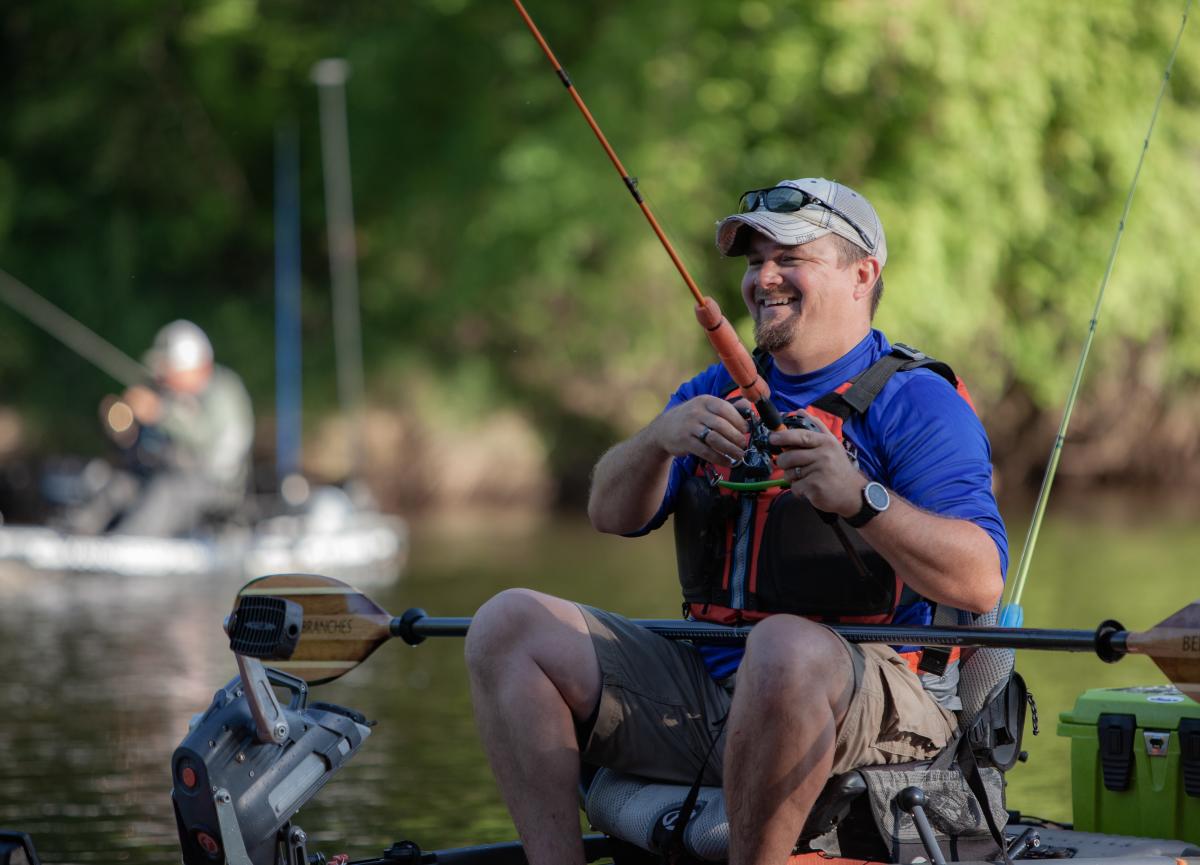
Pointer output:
x,y
502,258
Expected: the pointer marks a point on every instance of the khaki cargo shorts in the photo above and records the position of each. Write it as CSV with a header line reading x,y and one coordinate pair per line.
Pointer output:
x,y
660,712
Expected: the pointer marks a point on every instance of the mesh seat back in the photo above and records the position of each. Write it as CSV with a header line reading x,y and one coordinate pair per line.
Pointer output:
x,y
983,672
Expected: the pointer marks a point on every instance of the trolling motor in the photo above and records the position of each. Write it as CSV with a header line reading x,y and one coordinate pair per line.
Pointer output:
x,y
249,763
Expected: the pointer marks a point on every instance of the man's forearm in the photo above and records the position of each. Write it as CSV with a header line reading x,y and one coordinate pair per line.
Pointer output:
x,y
947,560
628,484
629,481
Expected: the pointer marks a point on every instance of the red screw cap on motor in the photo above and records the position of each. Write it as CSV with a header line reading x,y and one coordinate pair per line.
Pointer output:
x,y
208,842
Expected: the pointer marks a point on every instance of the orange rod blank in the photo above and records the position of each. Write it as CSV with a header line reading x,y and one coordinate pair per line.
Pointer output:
x,y
733,354
630,182
724,339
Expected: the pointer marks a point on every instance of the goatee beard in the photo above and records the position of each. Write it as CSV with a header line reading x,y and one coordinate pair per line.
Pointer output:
x,y
774,336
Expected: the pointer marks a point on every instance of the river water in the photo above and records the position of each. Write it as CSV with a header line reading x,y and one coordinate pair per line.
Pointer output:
x,y
101,676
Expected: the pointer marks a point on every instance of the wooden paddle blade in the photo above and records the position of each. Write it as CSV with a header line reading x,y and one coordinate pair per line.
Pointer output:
x,y
1174,644
342,626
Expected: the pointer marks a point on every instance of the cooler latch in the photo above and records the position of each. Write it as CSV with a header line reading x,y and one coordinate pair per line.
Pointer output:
x,y
1115,737
1189,754
1158,742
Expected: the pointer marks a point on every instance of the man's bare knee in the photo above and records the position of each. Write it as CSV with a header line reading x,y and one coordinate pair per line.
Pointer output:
x,y
497,626
519,627
794,645
785,653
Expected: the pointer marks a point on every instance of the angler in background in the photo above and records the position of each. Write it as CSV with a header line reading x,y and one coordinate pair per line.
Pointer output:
x,y
876,506
185,442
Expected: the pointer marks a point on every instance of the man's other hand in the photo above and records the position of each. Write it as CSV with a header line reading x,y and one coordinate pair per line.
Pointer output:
x,y
817,466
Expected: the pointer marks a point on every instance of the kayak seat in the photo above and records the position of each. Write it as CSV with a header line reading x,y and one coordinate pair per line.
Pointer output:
x,y
643,812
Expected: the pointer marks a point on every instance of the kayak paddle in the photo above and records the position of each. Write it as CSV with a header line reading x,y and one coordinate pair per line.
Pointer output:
x,y
341,627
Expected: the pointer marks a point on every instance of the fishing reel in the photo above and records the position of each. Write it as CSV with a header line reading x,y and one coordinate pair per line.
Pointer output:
x,y
758,462
248,763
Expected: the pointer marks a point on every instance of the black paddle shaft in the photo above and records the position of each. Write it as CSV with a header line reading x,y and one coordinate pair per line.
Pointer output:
x,y
1108,641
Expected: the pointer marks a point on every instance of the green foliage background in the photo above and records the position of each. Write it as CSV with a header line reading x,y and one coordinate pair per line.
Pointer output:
x,y
502,263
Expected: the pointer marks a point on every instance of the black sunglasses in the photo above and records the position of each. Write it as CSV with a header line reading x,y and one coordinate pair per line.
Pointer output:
x,y
789,199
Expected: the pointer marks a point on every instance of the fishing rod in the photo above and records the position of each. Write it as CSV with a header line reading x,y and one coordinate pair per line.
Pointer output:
x,y
738,363
721,335
337,628
70,332
1011,615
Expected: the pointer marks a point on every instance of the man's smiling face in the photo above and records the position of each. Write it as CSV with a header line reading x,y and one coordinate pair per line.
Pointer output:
x,y
797,292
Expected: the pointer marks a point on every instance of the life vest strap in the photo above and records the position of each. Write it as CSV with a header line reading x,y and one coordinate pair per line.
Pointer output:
x,y
847,402
870,383
919,359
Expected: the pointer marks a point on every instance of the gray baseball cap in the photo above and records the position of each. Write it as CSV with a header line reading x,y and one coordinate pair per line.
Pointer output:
x,y
835,209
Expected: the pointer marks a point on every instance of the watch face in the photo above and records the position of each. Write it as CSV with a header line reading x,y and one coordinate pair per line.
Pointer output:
x,y
877,496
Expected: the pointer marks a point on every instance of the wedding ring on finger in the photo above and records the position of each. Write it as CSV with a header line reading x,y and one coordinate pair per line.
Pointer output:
x,y
704,435
796,473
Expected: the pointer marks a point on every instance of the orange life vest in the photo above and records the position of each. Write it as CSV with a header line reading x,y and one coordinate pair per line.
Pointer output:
x,y
743,556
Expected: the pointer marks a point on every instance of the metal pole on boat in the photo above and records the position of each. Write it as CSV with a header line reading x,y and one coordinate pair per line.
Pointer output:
x,y
330,76
1011,614
75,335
288,386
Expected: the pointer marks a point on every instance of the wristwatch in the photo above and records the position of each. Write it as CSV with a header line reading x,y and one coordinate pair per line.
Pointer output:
x,y
875,500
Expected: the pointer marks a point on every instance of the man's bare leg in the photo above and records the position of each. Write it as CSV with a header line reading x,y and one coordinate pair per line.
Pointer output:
x,y
534,673
793,689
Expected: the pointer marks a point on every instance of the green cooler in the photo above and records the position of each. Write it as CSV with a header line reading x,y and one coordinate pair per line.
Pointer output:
x,y
1135,762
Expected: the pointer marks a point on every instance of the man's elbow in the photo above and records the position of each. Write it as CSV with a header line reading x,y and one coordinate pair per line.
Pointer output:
x,y
599,519
988,596
602,518
986,581
986,590
973,587
612,520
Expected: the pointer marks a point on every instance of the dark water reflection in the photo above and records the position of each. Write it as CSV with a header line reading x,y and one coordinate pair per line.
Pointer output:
x,y
101,677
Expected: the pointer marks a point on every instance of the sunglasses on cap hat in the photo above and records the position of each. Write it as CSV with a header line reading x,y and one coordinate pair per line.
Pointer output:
x,y
789,199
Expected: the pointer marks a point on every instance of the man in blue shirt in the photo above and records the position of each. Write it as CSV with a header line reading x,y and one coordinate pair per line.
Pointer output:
x,y
554,682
